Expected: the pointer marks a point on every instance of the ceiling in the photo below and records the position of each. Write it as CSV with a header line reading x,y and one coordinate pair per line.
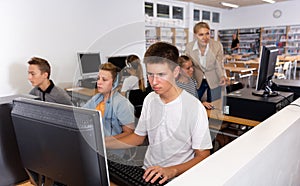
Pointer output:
x,y
241,3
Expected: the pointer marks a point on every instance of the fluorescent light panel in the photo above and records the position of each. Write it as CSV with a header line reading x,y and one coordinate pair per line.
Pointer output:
x,y
229,5
269,1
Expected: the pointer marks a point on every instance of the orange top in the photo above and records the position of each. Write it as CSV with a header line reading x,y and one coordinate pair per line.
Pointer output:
x,y
101,107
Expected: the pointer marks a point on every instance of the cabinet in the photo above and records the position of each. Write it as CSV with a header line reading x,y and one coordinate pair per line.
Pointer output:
x,y
293,40
274,36
249,41
225,37
151,36
176,36
180,38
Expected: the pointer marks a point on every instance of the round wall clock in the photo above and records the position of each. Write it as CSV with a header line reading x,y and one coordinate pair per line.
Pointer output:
x,y
277,13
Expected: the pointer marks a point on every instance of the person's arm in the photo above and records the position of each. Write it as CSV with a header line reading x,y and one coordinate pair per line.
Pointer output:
x,y
124,142
220,65
127,129
155,172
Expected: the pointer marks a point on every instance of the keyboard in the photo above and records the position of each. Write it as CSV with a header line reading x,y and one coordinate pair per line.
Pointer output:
x,y
125,172
128,175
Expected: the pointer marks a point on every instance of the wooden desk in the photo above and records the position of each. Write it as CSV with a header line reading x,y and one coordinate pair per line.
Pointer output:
x,y
238,69
217,114
246,63
80,95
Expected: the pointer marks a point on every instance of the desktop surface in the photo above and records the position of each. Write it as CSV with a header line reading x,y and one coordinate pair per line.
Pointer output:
x,y
242,103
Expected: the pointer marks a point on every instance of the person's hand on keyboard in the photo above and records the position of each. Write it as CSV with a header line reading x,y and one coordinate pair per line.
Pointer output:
x,y
159,174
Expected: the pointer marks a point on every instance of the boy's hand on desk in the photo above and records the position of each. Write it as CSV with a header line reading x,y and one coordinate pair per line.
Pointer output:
x,y
157,172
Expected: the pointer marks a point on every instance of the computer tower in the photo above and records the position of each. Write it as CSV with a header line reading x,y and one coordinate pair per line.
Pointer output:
x,y
243,104
11,168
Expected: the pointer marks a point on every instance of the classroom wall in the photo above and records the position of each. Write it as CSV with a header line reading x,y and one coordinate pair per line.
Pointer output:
x,y
261,15
57,30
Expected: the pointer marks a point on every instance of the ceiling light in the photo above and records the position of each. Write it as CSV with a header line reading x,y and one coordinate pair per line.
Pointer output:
x,y
269,1
229,5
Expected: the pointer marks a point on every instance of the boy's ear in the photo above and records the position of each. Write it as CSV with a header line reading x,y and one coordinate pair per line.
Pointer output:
x,y
176,71
45,74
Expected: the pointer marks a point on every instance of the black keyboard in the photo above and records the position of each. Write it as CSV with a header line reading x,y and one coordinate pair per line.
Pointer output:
x,y
128,175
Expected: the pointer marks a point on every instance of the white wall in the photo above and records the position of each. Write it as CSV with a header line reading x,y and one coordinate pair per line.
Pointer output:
x,y
261,15
57,30
268,154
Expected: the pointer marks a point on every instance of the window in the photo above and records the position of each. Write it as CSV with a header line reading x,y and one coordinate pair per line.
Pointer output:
x,y
177,12
163,11
206,15
149,9
216,17
196,15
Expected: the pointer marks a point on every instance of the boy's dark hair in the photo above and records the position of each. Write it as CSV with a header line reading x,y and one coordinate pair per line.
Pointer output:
x,y
162,52
43,65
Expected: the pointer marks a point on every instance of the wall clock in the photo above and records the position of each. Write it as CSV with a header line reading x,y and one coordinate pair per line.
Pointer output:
x,y
277,13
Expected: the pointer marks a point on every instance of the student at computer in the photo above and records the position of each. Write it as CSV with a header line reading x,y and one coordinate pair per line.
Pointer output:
x,y
39,76
117,112
178,136
135,80
134,85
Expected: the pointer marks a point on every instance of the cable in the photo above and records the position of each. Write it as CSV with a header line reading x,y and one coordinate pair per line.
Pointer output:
x,y
286,98
294,104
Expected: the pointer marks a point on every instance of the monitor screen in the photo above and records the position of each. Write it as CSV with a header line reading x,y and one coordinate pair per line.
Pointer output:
x,y
61,142
119,61
266,71
89,63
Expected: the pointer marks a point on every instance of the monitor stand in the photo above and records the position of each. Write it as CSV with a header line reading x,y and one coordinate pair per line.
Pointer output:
x,y
265,93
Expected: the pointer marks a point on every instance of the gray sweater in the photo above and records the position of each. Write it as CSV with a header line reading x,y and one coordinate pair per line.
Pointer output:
x,y
52,94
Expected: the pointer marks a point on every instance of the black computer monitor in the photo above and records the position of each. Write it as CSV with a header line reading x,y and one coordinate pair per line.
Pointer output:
x,y
119,61
266,71
63,143
89,63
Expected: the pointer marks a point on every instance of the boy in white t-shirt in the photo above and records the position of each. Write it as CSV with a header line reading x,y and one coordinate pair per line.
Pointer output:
x,y
175,121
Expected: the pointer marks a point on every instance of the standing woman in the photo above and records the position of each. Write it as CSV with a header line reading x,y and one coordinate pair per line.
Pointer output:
x,y
117,112
208,58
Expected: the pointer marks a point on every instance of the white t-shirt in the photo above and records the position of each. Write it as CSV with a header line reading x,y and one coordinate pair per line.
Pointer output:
x,y
174,129
130,83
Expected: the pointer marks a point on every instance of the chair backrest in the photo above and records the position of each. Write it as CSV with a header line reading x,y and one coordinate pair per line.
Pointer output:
x,y
136,98
254,65
230,64
240,65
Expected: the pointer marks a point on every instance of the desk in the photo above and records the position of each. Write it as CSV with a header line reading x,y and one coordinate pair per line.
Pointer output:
x,y
246,63
80,95
217,114
239,69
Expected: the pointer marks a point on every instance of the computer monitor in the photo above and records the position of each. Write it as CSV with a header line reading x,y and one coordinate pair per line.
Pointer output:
x,y
89,63
266,71
119,61
63,143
